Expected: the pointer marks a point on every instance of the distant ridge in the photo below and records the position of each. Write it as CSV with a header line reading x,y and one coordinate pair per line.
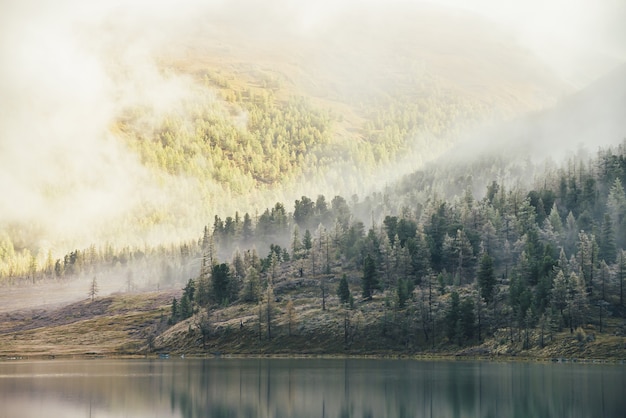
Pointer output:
x,y
590,118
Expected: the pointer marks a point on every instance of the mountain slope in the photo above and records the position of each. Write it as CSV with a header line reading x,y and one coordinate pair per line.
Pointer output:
x,y
590,118
237,107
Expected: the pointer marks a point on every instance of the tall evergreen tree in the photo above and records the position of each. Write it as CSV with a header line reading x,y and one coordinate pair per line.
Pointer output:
x,y
467,319
185,307
607,250
369,282
221,283
621,275
343,291
559,292
307,240
203,287
175,311
616,206
486,277
93,288
403,292
247,231
251,289
452,316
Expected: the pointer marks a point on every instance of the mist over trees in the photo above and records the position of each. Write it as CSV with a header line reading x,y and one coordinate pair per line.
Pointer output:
x,y
454,266
463,268
222,113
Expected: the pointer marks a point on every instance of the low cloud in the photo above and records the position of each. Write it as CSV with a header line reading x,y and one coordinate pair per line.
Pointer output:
x,y
70,69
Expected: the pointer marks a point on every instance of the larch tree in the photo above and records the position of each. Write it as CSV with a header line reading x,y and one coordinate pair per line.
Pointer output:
x,y
251,290
607,250
452,316
616,206
369,282
467,319
203,323
296,244
486,277
93,289
220,283
559,295
291,316
307,240
621,275
343,291
587,258
269,309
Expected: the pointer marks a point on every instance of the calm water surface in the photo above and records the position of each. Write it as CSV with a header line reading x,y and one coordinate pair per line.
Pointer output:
x,y
309,388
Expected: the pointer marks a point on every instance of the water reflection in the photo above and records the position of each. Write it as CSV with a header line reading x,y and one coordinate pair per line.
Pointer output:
x,y
308,387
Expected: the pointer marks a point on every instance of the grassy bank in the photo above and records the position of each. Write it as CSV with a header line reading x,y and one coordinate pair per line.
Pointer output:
x,y
133,324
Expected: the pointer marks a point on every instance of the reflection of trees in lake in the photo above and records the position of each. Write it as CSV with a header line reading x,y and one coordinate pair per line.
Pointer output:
x,y
317,387
358,388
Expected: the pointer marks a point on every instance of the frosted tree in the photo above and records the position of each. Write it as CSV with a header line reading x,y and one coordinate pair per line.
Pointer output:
x,y
251,290
607,248
621,275
587,258
577,303
486,277
616,202
570,233
559,295
93,289
489,237
555,220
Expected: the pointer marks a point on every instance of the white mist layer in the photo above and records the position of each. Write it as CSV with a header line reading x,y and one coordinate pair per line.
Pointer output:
x,y
69,69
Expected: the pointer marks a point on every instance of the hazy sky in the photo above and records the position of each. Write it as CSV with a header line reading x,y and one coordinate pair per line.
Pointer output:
x,y
578,38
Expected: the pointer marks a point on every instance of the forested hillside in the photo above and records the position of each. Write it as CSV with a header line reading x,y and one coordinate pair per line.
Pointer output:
x,y
514,267
233,113
386,178
454,271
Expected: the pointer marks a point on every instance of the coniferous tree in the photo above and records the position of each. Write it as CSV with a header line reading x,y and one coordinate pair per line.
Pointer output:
x,y
307,240
616,205
221,284
559,295
369,282
291,316
251,290
621,275
467,319
486,277
607,249
93,289
269,309
343,290
296,244
555,220
175,311
203,287
247,231
190,290
185,307
420,256
239,266
203,323
452,316
402,293
303,212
